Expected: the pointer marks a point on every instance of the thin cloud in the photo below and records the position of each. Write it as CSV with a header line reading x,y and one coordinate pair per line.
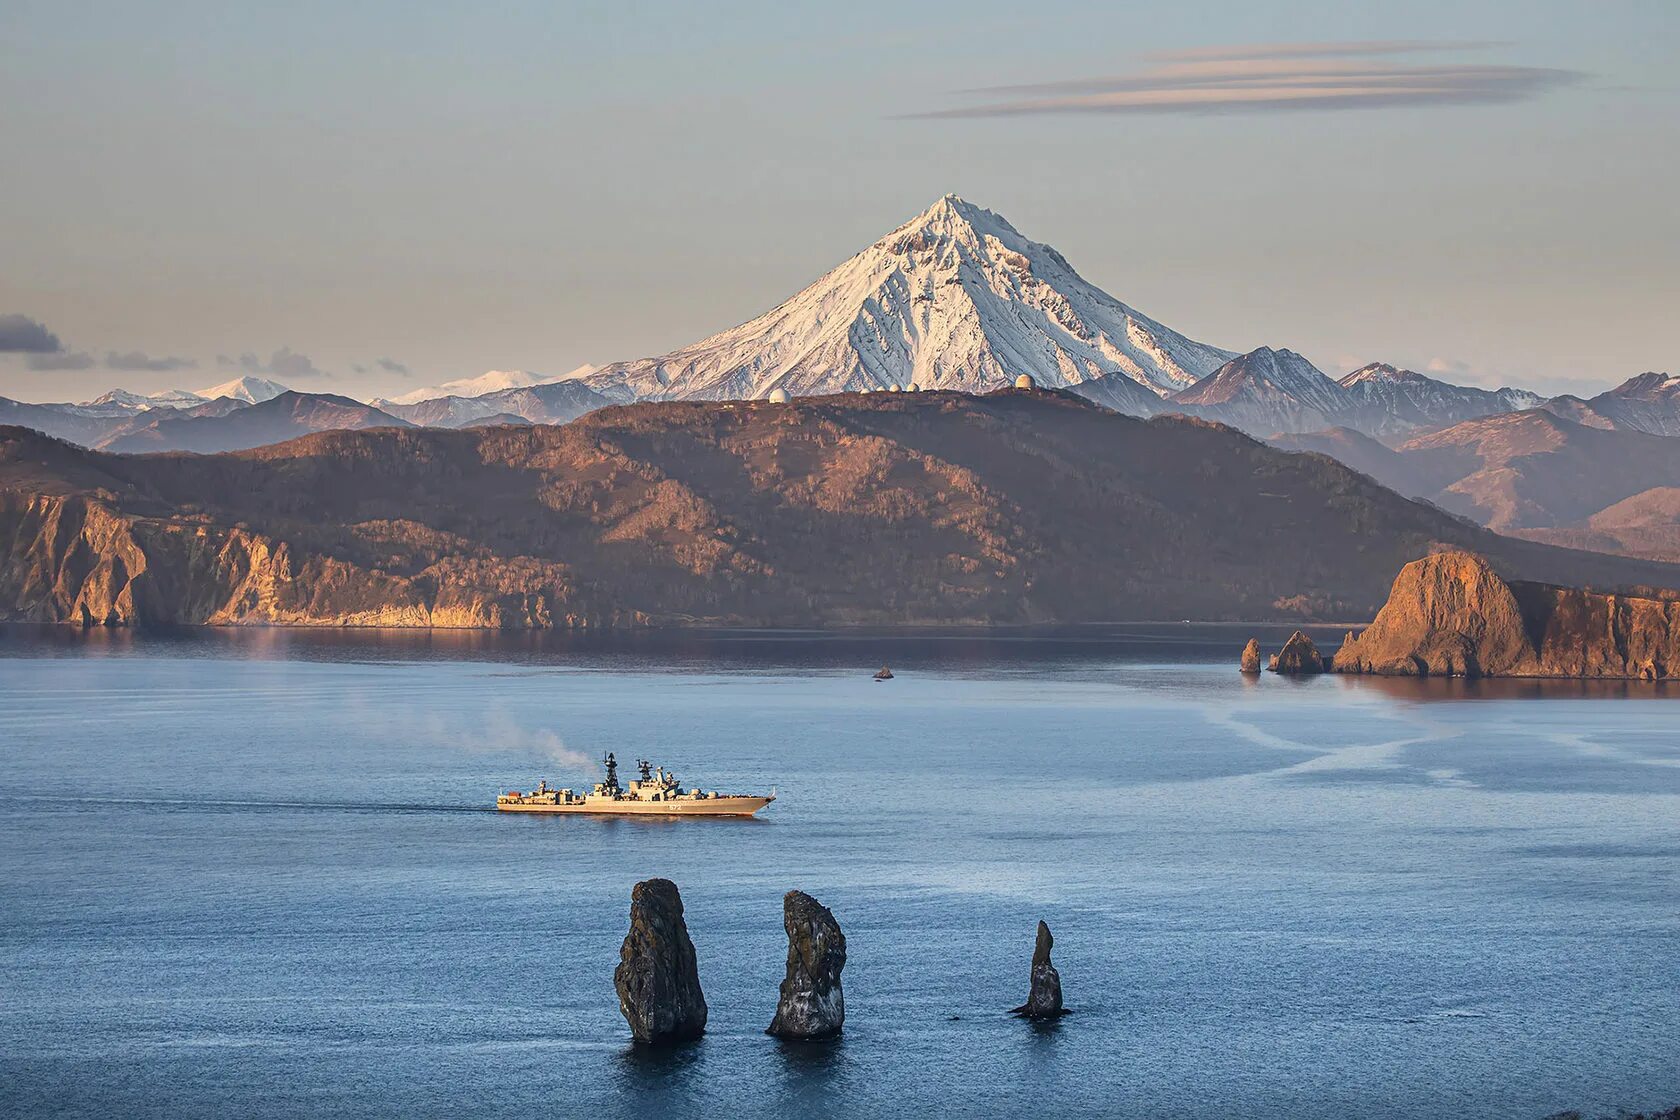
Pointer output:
x,y
19,334
63,360
1366,48
284,363
1453,366
1276,78
138,361
390,366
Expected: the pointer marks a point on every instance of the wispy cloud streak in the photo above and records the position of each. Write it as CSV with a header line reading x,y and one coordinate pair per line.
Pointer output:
x,y
1360,49
1275,78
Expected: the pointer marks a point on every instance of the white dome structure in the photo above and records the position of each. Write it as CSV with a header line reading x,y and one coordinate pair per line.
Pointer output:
x,y
893,388
1025,381
778,395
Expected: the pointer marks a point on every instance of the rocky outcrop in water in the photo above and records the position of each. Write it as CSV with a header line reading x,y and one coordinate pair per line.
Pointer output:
x,y
1251,656
657,978
811,1006
1452,614
1044,998
1298,656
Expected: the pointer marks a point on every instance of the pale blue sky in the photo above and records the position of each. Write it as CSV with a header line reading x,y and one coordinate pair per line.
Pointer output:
x,y
457,188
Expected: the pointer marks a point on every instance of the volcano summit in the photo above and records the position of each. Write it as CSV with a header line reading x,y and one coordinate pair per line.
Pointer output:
x,y
956,298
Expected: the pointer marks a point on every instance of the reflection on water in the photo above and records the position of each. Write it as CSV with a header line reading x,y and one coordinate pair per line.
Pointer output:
x,y
643,1065
923,646
685,650
821,1056
1512,688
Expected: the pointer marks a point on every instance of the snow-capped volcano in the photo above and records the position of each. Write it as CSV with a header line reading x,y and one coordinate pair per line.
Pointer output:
x,y
955,298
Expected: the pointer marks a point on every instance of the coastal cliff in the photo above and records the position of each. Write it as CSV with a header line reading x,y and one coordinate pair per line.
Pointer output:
x,y
74,559
1452,614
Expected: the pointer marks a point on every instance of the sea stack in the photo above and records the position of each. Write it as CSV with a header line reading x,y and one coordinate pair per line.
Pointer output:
x,y
1251,656
1298,655
1044,999
658,979
812,1006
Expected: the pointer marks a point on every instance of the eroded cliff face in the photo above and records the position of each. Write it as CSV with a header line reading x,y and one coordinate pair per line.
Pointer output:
x,y
73,559
1451,614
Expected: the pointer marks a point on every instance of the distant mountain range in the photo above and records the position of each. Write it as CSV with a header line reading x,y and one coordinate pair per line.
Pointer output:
x,y
547,402
1649,402
935,507
956,298
493,381
249,390
223,425
1533,474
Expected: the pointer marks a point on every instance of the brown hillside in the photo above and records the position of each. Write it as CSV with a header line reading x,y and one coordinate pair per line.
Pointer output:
x,y
1532,470
1014,507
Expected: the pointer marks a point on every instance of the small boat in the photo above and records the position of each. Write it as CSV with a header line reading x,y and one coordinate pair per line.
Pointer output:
x,y
884,675
657,793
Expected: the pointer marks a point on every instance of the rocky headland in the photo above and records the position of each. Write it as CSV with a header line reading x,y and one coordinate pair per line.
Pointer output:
x,y
1453,614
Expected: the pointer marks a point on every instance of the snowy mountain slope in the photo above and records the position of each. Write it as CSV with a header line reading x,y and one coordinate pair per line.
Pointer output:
x,y
246,390
955,298
1122,394
552,402
492,381
1265,392
1392,402
122,398
251,390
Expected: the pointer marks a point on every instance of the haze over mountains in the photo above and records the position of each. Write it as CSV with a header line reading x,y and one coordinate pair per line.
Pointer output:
x,y
216,426
1534,474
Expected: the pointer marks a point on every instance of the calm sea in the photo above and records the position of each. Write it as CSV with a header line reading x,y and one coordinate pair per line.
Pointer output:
x,y
254,874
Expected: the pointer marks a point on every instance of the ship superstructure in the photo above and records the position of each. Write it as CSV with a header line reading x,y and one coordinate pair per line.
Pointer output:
x,y
656,792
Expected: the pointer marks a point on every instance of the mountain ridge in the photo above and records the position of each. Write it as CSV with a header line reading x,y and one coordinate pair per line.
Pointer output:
x,y
936,507
216,427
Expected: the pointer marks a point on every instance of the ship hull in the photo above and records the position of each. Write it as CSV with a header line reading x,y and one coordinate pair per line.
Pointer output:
x,y
709,807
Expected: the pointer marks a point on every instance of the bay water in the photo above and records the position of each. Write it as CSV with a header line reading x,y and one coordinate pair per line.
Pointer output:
x,y
257,873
